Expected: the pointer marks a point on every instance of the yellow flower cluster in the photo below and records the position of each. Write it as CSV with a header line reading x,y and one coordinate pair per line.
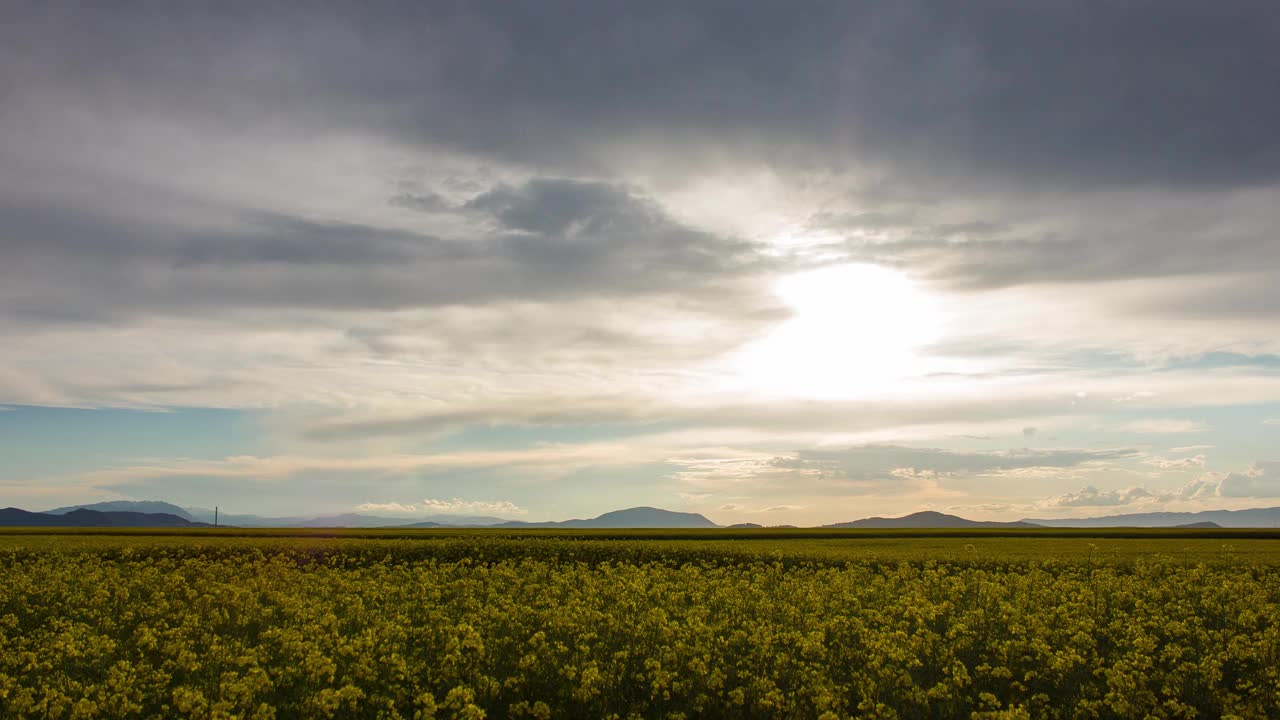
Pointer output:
x,y
385,630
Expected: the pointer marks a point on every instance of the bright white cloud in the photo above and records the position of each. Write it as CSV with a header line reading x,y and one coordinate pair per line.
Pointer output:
x,y
387,507
1260,481
1093,497
458,506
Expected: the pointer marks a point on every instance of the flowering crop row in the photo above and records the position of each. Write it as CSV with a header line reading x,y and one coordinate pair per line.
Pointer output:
x,y
367,632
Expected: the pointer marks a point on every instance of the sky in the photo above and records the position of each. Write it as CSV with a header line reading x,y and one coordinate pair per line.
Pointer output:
x,y
770,262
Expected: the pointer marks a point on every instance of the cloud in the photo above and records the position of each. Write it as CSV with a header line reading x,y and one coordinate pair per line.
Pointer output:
x,y
429,202
1028,431
715,474
740,508
1271,421
1164,426
1093,497
623,400
870,462
1191,448
1187,463
986,509
1204,487
1198,489
447,507
554,240
412,189
390,507
1261,480
969,88
872,467
428,81
1001,402
264,470
471,506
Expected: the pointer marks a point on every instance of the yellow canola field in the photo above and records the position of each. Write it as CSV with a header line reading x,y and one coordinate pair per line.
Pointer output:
x,y
376,629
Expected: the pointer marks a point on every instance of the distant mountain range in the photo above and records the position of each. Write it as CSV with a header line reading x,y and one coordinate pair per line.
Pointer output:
x,y
13,517
134,506
927,519
353,520
1251,518
154,513
637,517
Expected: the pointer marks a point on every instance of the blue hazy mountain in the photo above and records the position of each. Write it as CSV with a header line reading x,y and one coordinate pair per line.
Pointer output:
x,y
1251,518
117,513
80,517
353,520
927,519
137,506
636,517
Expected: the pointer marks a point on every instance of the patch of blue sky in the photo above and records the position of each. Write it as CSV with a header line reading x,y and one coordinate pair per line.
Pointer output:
x,y
1237,434
1216,360
46,441
589,491
1232,437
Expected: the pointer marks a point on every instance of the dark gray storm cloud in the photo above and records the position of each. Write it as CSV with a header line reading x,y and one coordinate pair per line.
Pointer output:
x,y
1044,123
1079,239
544,240
1161,92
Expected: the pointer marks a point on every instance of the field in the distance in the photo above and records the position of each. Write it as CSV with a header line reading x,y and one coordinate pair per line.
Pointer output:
x,y
773,623
1124,545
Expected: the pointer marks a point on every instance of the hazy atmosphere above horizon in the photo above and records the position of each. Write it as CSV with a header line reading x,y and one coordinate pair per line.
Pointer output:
x,y
769,262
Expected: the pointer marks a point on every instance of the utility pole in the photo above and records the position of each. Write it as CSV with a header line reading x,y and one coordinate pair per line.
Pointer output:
x,y
215,516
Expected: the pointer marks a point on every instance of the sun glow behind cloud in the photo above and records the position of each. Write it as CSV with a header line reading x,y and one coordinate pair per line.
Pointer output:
x,y
856,330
